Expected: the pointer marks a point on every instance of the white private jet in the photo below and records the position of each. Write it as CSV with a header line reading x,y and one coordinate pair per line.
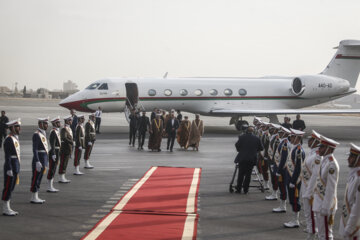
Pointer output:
x,y
228,97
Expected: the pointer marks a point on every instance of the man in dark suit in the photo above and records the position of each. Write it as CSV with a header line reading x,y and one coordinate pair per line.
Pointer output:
x,y
179,116
248,146
299,124
143,125
132,127
171,126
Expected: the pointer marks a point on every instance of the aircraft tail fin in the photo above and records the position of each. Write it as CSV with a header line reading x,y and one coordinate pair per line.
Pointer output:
x,y
346,62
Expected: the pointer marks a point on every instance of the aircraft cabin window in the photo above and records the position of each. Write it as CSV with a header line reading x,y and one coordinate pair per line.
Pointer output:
x,y
152,92
213,92
228,92
167,92
103,86
198,92
93,86
183,92
242,92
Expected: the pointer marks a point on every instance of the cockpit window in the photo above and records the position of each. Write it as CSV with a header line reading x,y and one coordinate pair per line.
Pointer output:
x,y
104,86
93,86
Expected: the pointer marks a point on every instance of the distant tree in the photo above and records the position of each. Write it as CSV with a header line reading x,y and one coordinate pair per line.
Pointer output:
x,y
24,90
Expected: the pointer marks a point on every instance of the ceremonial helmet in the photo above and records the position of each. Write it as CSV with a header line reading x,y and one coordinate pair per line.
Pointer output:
x,y
355,150
13,123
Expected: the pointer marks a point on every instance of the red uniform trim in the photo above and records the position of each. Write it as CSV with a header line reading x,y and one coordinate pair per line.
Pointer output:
x,y
87,150
295,202
326,228
61,164
312,220
76,157
33,181
7,186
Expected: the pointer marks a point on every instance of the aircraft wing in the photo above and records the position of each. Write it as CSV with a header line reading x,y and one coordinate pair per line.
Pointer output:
x,y
241,112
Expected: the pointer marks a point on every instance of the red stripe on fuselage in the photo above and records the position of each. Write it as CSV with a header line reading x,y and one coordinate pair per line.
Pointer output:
x,y
340,56
81,105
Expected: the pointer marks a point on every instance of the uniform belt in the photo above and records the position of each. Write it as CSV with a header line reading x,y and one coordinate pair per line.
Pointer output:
x,y
92,133
14,156
42,151
82,137
57,147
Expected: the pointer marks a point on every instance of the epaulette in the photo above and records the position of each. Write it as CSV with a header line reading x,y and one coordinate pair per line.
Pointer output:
x,y
331,159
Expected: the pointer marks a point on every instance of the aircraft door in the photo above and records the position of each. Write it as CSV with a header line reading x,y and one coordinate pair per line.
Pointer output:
x,y
132,99
132,95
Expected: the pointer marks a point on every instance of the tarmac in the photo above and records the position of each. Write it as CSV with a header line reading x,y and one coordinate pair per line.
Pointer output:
x,y
79,205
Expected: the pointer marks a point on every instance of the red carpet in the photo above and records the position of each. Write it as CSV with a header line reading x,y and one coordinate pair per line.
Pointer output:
x,y
161,205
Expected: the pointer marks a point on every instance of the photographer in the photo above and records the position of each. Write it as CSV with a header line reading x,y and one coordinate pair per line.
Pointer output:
x,y
248,146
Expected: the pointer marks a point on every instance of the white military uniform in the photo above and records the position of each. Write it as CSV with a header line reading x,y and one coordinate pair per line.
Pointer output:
x,y
325,200
350,217
310,170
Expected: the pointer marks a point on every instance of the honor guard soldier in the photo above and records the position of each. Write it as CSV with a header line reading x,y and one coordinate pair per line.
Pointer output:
x,y
293,179
258,130
325,200
255,122
11,165
281,157
79,144
66,136
263,163
350,217
54,153
309,173
90,137
40,159
273,146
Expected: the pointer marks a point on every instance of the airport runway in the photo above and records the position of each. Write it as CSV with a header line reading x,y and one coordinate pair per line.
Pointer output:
x,y
73,211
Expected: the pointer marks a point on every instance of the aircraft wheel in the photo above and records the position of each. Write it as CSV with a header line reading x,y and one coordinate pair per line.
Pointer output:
x,y
240,125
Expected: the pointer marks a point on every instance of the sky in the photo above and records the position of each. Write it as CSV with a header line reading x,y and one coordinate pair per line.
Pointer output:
x,y
44,43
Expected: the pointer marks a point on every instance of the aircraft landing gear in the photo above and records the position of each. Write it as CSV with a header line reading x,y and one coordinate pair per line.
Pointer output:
x,y
241,125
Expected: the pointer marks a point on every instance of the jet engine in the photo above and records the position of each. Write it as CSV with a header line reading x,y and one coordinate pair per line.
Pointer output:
x,y
311,86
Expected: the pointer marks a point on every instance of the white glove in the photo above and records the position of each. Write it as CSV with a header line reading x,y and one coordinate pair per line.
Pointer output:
x,y
38,166
53,157
9,173
291,185
278,174
324,212
80,148
89,143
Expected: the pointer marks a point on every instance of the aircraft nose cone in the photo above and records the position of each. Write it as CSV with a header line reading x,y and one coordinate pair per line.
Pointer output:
x,y
74,102
66,103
